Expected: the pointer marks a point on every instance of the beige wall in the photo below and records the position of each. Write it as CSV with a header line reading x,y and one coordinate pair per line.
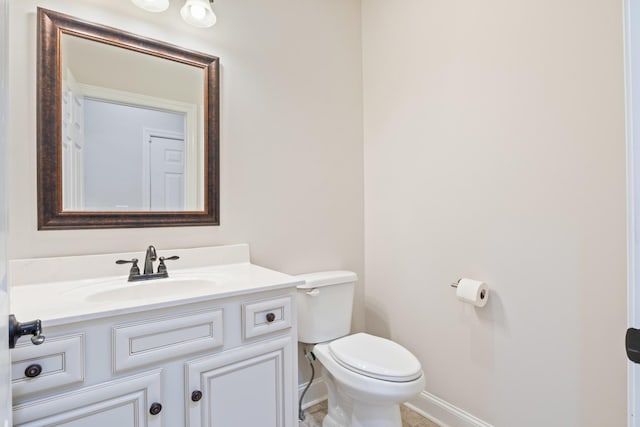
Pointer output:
x,y
495,149
291,132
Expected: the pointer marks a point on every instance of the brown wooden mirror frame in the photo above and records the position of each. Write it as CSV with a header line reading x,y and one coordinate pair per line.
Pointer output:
x,y
51,26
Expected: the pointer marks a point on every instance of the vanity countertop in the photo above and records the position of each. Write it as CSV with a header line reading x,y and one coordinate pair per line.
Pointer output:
x,y
58,302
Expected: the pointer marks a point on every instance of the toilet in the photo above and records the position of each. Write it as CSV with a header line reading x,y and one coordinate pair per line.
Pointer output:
x,y
367,377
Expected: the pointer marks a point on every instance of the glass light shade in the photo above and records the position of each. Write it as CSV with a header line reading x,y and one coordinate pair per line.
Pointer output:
x,y
198,13
152,5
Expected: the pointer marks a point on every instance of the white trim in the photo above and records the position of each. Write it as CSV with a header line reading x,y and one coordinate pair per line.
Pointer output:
x,y
632,210
136,99
442,412
316,393
145,190
5,357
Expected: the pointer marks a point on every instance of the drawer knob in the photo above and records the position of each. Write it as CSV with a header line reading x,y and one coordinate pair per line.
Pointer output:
x,y
271,317
33,371
196,396
155,408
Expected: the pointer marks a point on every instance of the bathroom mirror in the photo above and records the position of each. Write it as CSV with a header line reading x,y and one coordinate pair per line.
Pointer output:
x,y
128,129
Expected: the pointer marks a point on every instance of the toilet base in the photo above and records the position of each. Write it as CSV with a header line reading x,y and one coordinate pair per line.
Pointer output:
x,y
329,421
367,416
344,411
376,416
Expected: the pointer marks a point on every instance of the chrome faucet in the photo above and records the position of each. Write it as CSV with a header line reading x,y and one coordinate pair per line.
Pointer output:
x,y
148,260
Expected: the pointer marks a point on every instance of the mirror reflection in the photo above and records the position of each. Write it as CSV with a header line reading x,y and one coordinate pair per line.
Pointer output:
x,y
131,130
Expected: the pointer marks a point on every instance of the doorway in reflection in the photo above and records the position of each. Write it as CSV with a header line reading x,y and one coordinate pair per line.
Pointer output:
x,y
119,157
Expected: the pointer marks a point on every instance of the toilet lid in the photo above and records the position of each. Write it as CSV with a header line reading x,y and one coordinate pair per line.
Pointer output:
x,y
376,357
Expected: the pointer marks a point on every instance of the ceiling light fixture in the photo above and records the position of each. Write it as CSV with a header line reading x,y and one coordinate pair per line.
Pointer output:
x,y
194,12
198,13
152,5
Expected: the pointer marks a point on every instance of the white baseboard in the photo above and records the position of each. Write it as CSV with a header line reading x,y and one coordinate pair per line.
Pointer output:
x,y
316,393
442,412
426,404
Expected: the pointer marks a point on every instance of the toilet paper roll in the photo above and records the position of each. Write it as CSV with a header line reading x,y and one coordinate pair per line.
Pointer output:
x,y
472,292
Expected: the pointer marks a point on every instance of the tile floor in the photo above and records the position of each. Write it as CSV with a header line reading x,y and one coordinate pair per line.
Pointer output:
x,y
315,413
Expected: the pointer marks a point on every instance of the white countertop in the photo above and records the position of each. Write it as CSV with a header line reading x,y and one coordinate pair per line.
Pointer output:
x,y
69,301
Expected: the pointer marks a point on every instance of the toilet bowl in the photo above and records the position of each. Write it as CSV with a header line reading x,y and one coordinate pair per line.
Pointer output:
x,y
367,377
367,391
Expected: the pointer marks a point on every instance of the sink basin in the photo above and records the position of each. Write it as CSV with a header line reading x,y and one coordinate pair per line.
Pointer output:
x,y
175,287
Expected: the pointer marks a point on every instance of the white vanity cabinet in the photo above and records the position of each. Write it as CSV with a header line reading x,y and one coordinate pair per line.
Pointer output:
x,y
223,362
265,366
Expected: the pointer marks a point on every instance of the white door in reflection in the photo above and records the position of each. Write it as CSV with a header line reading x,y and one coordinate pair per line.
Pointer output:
x,y
166,172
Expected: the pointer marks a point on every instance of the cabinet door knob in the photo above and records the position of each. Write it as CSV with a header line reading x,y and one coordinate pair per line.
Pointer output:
x,y
155,408
33,371
271,317
196,395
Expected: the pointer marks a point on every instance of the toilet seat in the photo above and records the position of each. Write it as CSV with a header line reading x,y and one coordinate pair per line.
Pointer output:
x,y
375,357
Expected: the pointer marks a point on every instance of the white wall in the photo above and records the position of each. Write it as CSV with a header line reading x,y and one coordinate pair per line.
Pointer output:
x,y
291,132
495,149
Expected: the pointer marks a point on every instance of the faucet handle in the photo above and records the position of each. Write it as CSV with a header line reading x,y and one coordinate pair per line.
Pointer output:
x,y
135,270
162,268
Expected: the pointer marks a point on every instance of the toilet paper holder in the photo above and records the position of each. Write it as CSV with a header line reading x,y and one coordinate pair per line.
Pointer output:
x,y
483,293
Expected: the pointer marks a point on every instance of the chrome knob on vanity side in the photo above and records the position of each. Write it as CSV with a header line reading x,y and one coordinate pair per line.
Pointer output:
x,y
18,329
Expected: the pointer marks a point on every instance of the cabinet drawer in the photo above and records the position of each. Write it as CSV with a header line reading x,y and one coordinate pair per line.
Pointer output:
x,y
264,317
154,340
60,360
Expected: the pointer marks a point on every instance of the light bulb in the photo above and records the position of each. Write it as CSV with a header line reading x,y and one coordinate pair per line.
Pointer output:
x,y
198,12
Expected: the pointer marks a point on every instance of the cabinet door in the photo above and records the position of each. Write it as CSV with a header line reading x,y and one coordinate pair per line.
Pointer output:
x,y
249,386
122,403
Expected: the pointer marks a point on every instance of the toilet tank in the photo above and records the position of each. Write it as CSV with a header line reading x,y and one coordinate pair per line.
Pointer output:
x,y
325,302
